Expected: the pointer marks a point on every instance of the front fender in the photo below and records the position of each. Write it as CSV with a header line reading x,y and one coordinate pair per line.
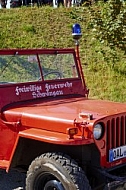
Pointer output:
x,y
53,137
47,137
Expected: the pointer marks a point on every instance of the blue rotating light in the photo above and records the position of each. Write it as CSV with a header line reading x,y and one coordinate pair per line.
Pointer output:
x,y
76,31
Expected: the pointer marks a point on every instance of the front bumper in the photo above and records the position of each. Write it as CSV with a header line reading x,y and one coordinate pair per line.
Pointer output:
x,y
114,182
116,185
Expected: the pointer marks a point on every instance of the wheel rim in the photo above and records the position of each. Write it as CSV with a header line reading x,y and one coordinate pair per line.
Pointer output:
x,y
53,185
47,181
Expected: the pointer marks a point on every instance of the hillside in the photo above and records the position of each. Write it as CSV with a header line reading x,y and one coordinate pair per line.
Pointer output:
x,y
32,27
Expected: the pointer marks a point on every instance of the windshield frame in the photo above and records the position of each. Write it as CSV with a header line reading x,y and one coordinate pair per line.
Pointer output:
x,y
38,53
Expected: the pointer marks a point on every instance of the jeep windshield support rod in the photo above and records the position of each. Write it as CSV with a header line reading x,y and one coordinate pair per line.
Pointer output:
x,y
78,62
40,67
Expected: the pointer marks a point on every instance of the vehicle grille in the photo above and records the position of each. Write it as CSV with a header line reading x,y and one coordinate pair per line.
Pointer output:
x,y
116,132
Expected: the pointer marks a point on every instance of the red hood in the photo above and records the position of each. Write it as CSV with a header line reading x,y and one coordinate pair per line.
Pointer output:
x,y
57,112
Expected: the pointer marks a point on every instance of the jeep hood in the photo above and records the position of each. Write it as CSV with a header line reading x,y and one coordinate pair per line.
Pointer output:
x,y
52,115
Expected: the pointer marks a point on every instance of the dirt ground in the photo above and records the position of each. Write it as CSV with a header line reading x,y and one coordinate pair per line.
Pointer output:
x,y
12,180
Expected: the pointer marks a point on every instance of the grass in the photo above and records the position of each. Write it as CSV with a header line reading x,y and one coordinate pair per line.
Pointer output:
x,y
47,27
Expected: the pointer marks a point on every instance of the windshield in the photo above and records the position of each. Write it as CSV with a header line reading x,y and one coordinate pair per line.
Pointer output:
x,y
24,68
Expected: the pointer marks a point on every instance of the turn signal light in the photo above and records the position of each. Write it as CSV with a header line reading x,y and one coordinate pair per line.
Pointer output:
x,y
72,131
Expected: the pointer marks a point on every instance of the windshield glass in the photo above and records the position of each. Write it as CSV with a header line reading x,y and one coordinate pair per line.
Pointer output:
x,y
58,66
24,68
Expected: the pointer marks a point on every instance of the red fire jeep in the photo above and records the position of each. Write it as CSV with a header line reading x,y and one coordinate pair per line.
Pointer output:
x,y
51,129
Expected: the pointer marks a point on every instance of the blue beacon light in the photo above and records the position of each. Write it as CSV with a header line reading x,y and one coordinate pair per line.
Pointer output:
x,y
76,31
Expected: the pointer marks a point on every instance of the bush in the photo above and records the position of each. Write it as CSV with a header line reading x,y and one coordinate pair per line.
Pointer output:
x,y
109,24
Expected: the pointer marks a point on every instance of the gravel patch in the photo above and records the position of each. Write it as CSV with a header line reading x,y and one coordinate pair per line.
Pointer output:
x,y
12,181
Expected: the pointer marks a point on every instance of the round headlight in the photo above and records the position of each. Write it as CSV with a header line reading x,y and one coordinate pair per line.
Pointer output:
x,y
97,131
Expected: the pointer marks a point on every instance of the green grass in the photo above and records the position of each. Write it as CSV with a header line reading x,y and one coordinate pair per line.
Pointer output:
x,y
47,27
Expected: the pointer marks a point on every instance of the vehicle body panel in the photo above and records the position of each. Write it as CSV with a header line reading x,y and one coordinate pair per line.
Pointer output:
x,y
56,110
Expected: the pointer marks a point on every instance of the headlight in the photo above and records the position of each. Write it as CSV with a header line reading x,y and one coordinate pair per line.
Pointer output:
x,y
98,129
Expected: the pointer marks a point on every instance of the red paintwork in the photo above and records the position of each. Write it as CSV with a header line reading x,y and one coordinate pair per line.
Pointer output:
x,y
46,117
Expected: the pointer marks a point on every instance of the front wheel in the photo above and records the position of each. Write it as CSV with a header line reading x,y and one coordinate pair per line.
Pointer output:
x,y
55,171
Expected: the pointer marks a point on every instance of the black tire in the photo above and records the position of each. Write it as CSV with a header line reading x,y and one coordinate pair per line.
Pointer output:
x,y
55,171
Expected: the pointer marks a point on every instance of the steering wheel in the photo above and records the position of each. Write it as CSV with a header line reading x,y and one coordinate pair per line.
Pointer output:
x,y
57,74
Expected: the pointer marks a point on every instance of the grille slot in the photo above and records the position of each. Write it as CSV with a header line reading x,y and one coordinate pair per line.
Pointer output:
x,y
116,132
